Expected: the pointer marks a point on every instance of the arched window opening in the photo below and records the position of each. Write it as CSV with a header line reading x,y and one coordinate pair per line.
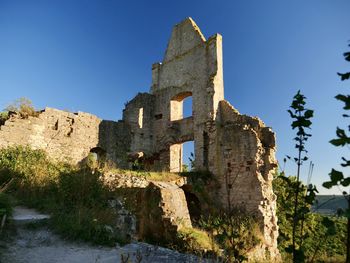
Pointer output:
x,y
98,154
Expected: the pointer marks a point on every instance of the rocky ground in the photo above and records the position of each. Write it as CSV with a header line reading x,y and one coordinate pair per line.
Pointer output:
x,y
35,243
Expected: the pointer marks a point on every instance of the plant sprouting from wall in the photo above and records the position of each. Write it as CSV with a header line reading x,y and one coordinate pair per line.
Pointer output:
x,y
22,106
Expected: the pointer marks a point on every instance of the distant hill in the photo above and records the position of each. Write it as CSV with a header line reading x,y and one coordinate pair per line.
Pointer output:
x,y
329,204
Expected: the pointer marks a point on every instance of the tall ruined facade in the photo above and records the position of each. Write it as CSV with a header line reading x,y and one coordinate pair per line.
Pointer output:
x,y
192,66
237,149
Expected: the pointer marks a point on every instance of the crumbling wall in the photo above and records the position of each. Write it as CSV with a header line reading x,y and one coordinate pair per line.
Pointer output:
x,y
66,136
243,160
192,66
138,114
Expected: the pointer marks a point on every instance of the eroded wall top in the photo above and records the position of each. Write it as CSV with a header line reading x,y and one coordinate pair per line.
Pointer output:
x,y
193,65
185,36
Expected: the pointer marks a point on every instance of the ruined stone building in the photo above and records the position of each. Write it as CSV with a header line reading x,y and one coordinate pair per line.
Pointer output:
x,y
237,149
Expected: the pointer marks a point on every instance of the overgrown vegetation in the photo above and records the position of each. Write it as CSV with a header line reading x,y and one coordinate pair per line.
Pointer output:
x,y
222,237
196,241
304,236
237,233
22,106
74,195
234,233
338,178
323,236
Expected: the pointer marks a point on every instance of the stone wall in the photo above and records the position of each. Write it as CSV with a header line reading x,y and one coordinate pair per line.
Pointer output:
x,y
68,136
138,113
242,158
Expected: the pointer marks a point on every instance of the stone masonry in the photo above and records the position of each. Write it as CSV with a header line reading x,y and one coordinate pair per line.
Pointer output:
x,y
237,149
68,136
192,66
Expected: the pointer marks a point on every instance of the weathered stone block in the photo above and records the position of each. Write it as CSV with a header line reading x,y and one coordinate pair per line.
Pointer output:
x,y
163,211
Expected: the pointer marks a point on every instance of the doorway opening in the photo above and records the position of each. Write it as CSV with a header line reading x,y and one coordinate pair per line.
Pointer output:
x,y
182,157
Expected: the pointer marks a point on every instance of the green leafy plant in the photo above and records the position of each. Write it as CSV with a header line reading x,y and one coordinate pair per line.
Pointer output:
x,y
337,178
323,237
192,162
301,117
236,232
74,195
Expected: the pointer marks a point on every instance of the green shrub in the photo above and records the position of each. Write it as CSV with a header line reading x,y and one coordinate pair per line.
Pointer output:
x,y
93,224
196,241
35,176
74,196
236,232
81,188
324,237
31,165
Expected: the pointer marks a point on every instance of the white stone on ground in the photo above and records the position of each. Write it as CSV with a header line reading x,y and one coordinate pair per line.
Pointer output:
x,y
25,215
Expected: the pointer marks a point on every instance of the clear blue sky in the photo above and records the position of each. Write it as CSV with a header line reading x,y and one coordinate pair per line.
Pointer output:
x,y
93,56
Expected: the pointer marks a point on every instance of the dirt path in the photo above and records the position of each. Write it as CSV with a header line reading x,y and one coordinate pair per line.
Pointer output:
x,y
40,245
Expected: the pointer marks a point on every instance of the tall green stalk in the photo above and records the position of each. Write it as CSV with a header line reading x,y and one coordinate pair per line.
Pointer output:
x,y
301,121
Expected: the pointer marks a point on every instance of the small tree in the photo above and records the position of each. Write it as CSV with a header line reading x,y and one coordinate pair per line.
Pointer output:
x,y
343,139
23,106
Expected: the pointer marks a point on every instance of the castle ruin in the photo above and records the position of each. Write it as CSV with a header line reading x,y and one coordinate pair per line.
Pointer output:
x,y
238,150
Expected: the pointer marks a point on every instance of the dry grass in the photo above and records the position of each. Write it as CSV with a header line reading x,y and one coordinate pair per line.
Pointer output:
x,y
150,176
197,241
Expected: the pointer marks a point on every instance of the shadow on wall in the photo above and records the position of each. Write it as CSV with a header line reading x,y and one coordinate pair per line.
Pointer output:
x,y
114,139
